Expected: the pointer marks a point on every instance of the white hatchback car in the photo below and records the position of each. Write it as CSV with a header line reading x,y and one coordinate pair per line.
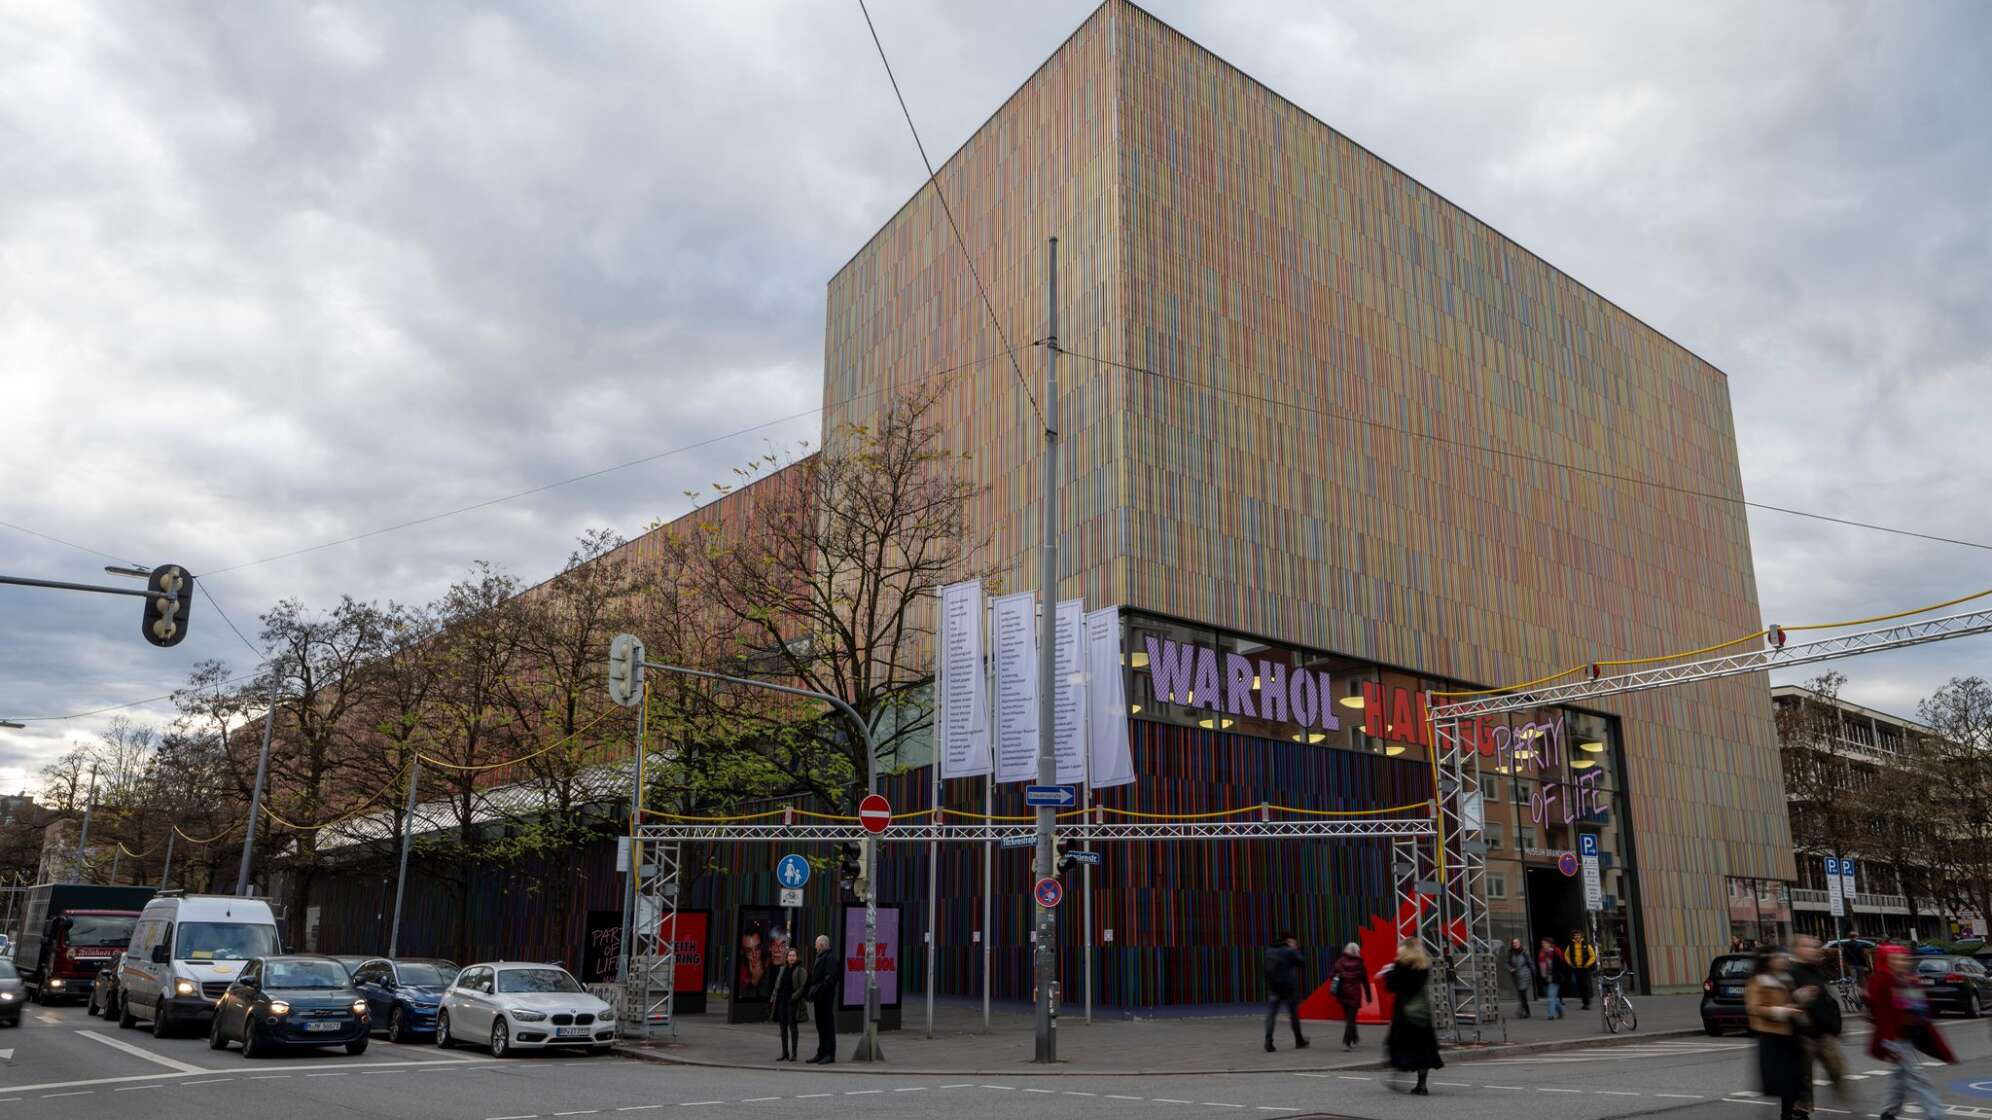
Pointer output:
x,y
515,1005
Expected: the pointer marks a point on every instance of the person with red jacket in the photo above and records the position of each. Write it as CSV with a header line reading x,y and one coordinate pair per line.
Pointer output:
x,y
1903,1025
1349,981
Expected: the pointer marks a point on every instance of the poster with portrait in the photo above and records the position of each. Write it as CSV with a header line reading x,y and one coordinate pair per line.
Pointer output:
x,y
761,937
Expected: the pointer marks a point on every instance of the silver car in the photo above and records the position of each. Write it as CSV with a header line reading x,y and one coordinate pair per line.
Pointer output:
x,y
12,995
517,1005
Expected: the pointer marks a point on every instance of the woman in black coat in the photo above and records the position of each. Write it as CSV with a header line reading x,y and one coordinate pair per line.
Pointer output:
x,y
1412,1045
785,1006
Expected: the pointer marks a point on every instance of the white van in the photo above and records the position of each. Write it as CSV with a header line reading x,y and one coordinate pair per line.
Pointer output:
x,y
184,952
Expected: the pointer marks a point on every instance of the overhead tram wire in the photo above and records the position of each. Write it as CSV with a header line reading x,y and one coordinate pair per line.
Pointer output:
x,y
935,181
1521,456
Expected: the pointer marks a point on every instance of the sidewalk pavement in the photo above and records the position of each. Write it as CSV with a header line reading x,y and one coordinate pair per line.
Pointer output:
x,y
1227,1039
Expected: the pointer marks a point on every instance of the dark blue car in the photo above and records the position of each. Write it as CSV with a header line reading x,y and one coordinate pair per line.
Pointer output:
x,y
403,994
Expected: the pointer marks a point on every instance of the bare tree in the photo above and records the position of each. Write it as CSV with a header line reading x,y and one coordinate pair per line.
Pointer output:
x,y
1958,781
829,584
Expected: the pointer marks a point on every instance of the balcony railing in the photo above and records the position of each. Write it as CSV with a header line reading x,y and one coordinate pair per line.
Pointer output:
x,y
1890,903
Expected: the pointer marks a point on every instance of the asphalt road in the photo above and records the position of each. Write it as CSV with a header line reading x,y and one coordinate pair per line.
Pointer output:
x,y
65,1065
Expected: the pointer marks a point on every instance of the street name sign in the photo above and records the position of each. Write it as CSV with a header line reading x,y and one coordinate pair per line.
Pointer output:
x,y
1051,797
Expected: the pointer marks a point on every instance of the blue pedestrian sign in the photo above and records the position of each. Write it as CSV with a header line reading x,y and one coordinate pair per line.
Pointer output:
x,y
1587,843
792,871
1051,797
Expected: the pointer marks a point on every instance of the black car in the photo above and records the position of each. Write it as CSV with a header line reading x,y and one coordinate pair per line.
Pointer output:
x,y
1954,983
404,994
1722,993
104,996
291,1001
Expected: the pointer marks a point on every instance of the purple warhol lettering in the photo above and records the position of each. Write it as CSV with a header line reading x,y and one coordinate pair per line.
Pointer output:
x,y
1205,693
1238,686
1303,697
1273,691
1169,668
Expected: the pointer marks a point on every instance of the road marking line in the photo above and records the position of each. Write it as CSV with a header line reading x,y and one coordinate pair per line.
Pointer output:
x,y
141,1052
912,1089
1277,1108
210,1081
637,1107
1453,1084
1746,1100
136,1088
76,1093
813,1096
1040,1090
743,1100
1352,1077
1546,1089
1681,1096
691,1104
1121,1097
593,1111
1511,1088
861,1092
1077,1093
1007,1088
956,1085
1170,1100
341,1074
1614,1093
527,1116
1221,1104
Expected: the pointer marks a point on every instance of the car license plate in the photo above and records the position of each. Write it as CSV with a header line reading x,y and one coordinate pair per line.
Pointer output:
x,y
570,1032
1730,989
324,1025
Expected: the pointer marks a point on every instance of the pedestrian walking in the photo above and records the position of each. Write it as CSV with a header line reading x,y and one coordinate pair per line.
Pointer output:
x,y
1349,982
786,1008
1412,1045
1549,964
1581,958
1523,970
1853,960
1775,1019
1902,1027
1283,969
1819,1035
822,993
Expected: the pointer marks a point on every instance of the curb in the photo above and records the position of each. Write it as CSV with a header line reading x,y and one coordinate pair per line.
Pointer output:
x,y
640,1053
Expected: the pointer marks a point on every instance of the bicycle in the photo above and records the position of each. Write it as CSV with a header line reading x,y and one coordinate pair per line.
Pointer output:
x,y
1848,991
1618,1011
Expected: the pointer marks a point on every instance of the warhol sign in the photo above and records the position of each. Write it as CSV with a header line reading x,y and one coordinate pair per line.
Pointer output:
x,y
1188,674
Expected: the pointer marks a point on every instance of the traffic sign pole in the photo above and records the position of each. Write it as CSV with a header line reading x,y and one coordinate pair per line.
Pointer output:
x,y
1047,817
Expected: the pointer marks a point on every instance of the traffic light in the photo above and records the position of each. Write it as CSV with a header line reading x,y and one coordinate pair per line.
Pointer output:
x,y
626,670
169,594
1060,858
862,889
850,865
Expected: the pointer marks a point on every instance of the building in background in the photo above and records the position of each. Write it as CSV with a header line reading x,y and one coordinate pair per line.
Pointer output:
x,y
1308,406
1862,743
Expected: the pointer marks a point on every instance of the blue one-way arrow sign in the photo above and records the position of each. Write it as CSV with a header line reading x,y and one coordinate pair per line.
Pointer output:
x,y
1051,797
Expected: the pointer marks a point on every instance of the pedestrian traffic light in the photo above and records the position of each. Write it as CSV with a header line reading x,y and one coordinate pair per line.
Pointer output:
x,y
862,889
169,593
850,865
626,670
1060,858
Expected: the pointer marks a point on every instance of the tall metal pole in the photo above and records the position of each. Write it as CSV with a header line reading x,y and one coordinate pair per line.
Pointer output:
x,y
988,857
83,834
256,794
933,896
638,1000
172,834
407,841
1047,817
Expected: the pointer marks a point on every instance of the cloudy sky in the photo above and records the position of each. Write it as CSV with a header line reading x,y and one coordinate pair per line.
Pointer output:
x,y
272,275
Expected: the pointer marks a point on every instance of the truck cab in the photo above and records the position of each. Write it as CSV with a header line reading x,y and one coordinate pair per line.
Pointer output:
x,y
69,932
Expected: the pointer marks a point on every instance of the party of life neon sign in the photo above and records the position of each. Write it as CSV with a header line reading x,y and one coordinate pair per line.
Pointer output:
x,y
1541,749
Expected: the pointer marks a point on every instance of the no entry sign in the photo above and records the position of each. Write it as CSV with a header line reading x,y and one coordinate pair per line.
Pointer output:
x,y
875,812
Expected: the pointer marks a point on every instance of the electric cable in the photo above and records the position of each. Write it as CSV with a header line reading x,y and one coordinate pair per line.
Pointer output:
x,y
935,181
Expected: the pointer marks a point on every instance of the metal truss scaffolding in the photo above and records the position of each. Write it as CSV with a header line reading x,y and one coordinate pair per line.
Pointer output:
x,y
1458,935
648,992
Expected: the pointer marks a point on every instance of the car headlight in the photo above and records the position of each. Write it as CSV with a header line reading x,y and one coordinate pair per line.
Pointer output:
x,y
359,1007
183,987
607,1015
524,1016
279,1007
6,997
56,983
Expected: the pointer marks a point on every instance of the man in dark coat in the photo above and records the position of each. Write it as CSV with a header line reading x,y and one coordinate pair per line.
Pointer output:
x,y
1283,967
822,993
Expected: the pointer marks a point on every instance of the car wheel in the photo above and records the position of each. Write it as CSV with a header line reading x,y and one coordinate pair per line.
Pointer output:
x,y
216,1039
1710,1029
397,1026
126,1019
1971,1009
251,1049
443,1037
358,1046
501,1040
162,1023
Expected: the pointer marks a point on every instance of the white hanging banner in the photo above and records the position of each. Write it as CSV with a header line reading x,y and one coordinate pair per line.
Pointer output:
x,y
1111,758
1068,716
961,683
1015,636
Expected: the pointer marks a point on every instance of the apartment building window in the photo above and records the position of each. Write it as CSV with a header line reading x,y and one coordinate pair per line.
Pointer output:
x,y
1497,885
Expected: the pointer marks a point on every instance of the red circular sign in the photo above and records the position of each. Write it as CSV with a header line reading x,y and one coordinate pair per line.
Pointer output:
x,y
875,812
1049,893
1567,863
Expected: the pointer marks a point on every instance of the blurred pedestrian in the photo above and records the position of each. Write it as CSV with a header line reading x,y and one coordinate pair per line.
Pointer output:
x,y
1775,1019
1580,958
1412,1044
1820,1033
1350,984
786,1008
1549,964
1523,970
1283,968
822,993
1902,1027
